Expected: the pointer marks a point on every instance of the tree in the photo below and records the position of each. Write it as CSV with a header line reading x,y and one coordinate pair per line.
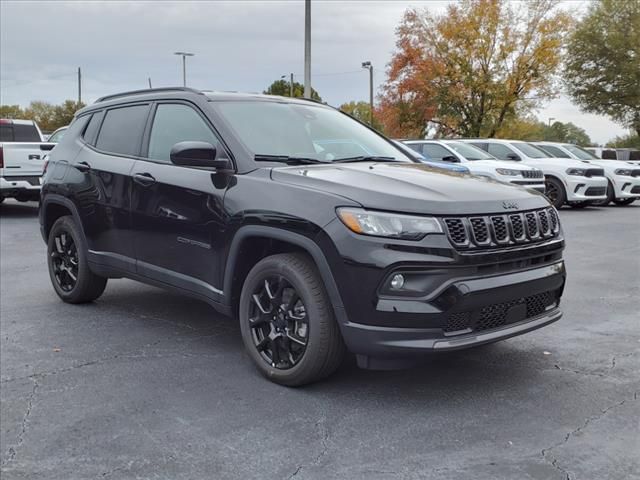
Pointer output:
x,y
63,114
11,111
361,111
42,113
283,88
625,141
602,70
469,70
566,133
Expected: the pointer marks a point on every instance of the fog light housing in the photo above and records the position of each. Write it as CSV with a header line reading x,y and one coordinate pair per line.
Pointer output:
x,y
397,281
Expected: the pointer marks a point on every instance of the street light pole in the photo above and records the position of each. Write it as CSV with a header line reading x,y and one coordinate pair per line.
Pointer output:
x,y
291,86
184,56
307,48
369,67
551,118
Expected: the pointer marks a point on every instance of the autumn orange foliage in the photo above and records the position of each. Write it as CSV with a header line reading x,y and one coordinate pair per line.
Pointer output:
x,y
468,71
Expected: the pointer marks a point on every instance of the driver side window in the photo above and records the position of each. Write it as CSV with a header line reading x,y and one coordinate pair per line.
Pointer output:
x,y
173,123
500,151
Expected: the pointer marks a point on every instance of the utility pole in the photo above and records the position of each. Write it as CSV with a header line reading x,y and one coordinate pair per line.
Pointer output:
x,y
149,78
184,65
79,86
291,86
369,67
307,48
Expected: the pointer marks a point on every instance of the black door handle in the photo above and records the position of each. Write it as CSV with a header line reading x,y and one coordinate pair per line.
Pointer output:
x,y
83,166
144,179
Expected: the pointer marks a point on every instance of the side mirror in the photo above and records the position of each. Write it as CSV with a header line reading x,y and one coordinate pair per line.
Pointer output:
x,y
450,158
197,154
513,156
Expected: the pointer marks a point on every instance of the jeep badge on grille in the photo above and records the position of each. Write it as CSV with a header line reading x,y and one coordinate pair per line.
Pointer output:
x,y
510,205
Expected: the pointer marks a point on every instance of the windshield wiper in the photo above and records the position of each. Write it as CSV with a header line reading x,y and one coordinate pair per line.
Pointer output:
x,y
363,158
259,157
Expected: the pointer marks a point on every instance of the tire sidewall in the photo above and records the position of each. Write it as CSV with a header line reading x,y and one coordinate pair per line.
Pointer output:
x,y
315,315
562,195
67,225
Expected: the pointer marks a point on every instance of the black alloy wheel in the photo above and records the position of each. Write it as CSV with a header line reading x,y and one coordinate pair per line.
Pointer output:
x,y
279,323
554,191
64,261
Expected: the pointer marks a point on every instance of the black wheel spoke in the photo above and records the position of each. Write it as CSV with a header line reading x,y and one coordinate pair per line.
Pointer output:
x,y
275,315
64,261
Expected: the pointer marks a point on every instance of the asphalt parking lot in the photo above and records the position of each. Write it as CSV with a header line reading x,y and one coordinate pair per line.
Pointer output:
x,y
147,384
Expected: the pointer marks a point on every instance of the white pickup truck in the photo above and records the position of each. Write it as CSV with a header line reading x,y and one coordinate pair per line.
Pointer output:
x,y
22,153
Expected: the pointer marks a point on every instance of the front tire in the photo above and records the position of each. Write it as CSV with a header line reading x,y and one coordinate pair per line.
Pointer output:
x,y
69,270
287,322
555,192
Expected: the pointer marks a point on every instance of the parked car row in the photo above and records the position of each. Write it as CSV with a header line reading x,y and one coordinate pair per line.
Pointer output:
x,y
566,173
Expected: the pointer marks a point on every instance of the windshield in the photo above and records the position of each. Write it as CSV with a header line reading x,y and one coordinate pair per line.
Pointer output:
x,y
581,153
469,151
530,151
306,131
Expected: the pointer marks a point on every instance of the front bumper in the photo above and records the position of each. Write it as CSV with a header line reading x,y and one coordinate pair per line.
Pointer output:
x,y
537,185
464,312
584,189
626,186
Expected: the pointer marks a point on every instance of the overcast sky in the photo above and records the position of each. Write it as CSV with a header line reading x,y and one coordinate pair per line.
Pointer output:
x,y
238,45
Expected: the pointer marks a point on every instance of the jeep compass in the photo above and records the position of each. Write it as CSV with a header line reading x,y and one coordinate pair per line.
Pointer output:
x,y
316,232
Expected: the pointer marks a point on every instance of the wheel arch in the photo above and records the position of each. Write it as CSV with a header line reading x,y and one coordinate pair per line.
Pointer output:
x,y
253,242
54,207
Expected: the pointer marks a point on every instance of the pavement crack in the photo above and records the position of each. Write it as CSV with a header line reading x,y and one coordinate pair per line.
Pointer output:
x,y
324,441
11,454
546,452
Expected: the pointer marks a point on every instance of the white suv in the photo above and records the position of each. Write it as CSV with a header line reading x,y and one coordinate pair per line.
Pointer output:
x,y
479,162
569,181
623,177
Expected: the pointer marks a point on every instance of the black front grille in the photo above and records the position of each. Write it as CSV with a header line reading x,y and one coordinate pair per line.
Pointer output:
x,y
635,173
594,172
502,230
595,191
532,173
500,314
636,189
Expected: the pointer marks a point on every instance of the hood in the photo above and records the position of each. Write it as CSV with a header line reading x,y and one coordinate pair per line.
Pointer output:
x,y
612,165
411,188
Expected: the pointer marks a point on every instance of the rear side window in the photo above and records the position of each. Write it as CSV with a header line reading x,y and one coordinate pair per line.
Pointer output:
x,y
175,123
92,128
500,151
25,133
609,155
6,133
121,130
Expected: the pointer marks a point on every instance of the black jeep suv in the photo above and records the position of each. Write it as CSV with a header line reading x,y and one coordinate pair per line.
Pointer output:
x,y
317,232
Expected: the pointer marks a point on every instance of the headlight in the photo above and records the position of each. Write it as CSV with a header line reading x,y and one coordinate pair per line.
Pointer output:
x,y
506,171
623,171
393,225
580,172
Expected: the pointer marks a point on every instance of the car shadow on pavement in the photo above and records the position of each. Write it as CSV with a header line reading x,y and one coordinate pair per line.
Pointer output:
x,y
183,321
12,209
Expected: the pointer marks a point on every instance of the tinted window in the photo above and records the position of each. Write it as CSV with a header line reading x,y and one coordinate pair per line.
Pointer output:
x,y
92,129
25,133
175,123
553,151
581,153
634,155
470,152
529,150
121,130
609,155
433,151
6,133
500,151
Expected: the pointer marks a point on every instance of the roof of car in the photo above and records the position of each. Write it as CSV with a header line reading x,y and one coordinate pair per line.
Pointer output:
x,y
185,92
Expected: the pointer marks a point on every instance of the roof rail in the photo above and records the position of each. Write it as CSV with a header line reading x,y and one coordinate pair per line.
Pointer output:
x,y
148,90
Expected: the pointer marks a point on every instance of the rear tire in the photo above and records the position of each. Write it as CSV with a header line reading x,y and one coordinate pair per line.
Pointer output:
x,y
555,192
287,321
624,201
69,270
